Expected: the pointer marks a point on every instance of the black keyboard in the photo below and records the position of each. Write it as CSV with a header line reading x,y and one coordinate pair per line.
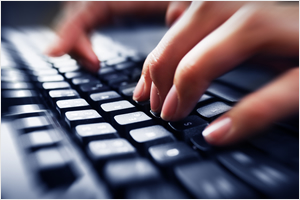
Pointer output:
x,y
66,133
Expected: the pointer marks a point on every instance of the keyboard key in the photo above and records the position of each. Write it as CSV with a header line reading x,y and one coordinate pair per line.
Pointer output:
x,y
65,94
116,60
109,110
272,143
262,173
188,127
71,75
63,106
115,78
206,180
123,173
93,87
143,138
54,167
56,85
16,85
225,92
74,118
30,124
156,191
213,110
44,72
69,69
25,109
127,122
204,98
50,78
200,143
104,97
95,131
19,97
168,155
103,150
40,139
127,90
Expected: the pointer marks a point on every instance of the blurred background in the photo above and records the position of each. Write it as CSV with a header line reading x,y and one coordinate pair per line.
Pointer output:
x,y
17,13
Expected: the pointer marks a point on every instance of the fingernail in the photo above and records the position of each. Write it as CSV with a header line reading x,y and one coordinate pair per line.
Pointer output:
x,y
170,104
139,89
217,130
155,99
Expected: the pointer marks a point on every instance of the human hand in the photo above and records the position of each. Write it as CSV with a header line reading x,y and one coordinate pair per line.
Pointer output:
x,y
208,40
78,19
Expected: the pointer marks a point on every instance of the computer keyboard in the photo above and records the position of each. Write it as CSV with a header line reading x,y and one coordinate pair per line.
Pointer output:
x,y
67,133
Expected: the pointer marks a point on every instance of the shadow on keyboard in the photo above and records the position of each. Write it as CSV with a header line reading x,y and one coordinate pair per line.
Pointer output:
x,y
66,133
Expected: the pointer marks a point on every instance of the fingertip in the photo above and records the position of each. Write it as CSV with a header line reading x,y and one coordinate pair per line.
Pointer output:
x,y
217,131
54,51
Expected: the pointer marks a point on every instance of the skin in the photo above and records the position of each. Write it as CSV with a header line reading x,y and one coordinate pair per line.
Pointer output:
x,y
206,40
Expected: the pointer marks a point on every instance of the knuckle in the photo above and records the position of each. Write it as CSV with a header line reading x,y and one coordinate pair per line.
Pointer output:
x,y
154,64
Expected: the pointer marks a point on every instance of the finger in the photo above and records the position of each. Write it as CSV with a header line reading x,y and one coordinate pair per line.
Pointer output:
x,y
75,25
234,41
175,10
161,63
85,55
257,111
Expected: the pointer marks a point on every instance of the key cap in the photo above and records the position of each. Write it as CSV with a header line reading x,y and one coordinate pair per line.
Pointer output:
x,y
123,173
30,124
95,131
126,122
209,181
40,139
76,74
104,97
16,85
92,88
44,72
200,143
156,191
105,71
271,142
25,110
103,150
56,85
109,110
111,79
65,94
67,69
63,106
74,118
127,90
204,99
213,110
188,127
54,167
84,80
168,155
143,138
116,60
18,97
125,65
262,173
225,92
50,78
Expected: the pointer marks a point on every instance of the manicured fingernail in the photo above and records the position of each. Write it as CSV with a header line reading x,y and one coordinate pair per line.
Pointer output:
x,y
155,99
139,89
217,130
170,104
